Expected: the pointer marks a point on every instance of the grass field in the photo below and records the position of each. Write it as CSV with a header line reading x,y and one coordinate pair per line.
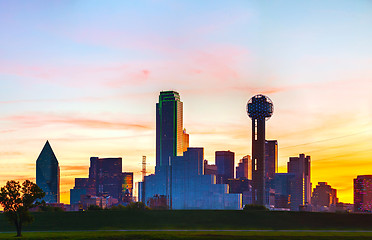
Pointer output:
x,y
69,222
188,219
190,235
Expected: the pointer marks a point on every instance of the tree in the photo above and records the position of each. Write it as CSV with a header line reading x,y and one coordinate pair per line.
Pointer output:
x,y
254,207
17,200
137,206
94,208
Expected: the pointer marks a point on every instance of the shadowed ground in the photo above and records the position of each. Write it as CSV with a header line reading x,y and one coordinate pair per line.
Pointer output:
x,y
185,219
191,235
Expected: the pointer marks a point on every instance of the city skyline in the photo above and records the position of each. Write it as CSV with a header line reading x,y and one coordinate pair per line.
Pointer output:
x,y
88,84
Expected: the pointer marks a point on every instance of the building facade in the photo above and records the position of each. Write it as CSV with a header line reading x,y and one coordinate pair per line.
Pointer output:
x,y
284,189
83,186
324,197
271,167
47,174
244,170
127,187
210,169
271,160
225,162
301,194
363,193
190,189
106,181
107,175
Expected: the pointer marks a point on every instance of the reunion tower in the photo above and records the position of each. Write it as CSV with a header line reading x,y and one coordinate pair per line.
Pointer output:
x,y
259,108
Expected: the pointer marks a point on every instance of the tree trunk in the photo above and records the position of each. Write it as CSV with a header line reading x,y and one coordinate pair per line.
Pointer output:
x,y
18,224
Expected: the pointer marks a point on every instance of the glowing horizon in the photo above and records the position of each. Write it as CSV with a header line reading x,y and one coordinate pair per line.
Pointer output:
x,y
86,76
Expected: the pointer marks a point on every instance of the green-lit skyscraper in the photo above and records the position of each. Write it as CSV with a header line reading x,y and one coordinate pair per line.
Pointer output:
x,y
179,169
47,174
171,141
169,128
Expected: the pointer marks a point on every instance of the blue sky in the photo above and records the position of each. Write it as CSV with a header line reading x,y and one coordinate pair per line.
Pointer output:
x,y
86,75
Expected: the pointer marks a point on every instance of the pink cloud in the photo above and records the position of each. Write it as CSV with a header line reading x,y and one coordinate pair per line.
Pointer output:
x,y
36,120
133,79
83,99
63,74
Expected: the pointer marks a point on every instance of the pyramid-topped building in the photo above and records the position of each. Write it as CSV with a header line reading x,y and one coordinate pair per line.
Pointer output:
x,y
47,174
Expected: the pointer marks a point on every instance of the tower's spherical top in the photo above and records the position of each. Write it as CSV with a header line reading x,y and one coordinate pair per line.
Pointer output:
x,y
260,107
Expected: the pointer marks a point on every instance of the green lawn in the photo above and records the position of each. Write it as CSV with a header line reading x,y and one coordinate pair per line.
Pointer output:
x,y
190,235
187,219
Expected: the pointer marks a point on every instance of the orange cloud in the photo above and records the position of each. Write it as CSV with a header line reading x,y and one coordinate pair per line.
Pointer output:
x,y
34,120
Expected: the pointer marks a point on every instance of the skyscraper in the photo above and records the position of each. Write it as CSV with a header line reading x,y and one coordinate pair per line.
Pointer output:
x,y
244,168
169,128
171,140
107,175
363,193
301,194
127,187
47,174
225,166
106,180
179,182
284,188
271,159
271,166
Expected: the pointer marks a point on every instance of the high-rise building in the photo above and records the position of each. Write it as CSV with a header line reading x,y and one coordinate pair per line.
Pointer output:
x,y
225,162
259,108
271,167
300,167
106,179
284,187
178,177
107,175
323,196
169,128
127,187
271,159
363,193
244,168
47,174
171,140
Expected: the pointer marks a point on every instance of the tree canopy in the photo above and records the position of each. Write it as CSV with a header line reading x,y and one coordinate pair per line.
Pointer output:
x,y
17,200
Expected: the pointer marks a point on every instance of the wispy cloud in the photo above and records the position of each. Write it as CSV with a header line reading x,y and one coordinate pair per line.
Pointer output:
x,y
83,99
40,119
11,153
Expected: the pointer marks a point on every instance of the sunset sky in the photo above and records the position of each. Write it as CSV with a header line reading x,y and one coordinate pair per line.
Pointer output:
x,y
86,75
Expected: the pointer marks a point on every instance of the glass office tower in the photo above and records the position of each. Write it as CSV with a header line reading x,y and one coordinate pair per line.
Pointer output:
x,y
169,127
363,193
225,162
47,174
178,174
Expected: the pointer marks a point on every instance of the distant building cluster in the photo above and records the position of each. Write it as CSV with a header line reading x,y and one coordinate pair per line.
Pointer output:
x,y
183,179
106,185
